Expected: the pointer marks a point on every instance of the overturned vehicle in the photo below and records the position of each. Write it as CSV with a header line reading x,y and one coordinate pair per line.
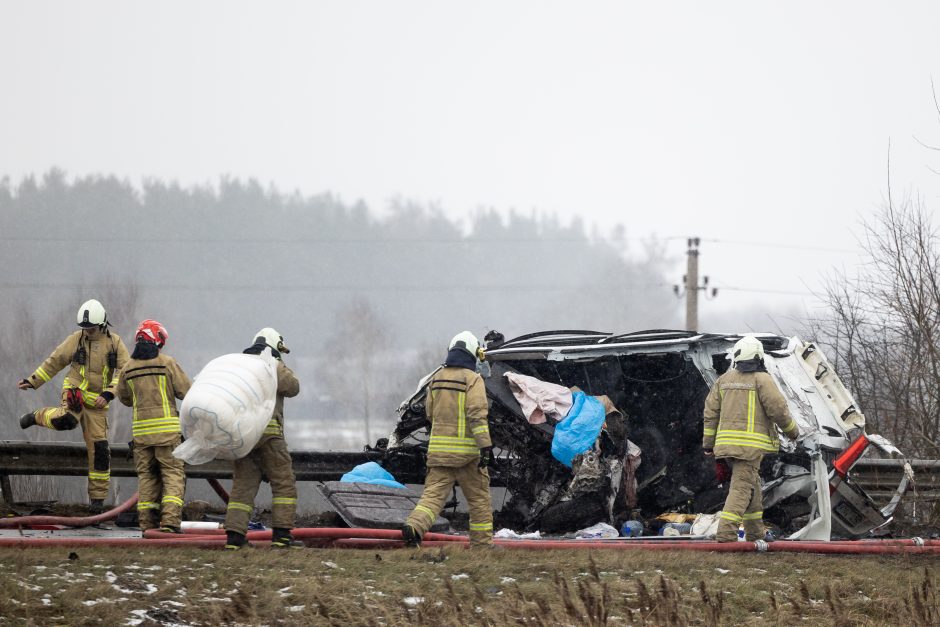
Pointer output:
x,y
648,458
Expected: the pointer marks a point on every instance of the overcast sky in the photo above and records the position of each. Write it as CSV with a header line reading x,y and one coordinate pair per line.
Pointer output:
x,y
736,121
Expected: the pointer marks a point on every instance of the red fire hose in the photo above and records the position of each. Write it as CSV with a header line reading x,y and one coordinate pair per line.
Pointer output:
x,y
96,542
391,538
323,532
69,521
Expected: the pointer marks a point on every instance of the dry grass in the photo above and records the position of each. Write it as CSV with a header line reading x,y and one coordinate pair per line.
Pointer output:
x,y
458,587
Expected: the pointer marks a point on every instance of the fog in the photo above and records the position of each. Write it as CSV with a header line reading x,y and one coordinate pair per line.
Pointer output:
x,y
366,303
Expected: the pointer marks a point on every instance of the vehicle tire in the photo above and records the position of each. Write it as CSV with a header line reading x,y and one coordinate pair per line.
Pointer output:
x,y
572,515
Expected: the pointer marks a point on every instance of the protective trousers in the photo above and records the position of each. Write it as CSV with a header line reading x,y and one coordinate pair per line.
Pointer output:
x,y
161,480
268,460
745,503
475,483
94,423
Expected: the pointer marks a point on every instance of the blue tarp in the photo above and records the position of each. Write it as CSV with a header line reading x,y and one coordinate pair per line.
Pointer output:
x,y
370,472
579,430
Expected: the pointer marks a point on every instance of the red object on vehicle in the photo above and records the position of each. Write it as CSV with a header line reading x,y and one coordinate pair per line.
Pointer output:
x,y
152,331
849,456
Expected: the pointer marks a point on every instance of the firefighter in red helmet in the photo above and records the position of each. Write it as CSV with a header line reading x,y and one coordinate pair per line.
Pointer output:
x,y
150,383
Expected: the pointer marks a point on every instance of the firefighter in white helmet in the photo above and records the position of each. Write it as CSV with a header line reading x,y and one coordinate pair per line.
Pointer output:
x,y
459,448
740,413
269,460
95,357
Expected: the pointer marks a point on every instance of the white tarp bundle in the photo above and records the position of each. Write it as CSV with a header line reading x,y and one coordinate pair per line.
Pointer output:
x,y
226,410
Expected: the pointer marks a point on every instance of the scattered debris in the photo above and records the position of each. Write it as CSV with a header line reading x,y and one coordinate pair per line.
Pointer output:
x,y
600,530
509,534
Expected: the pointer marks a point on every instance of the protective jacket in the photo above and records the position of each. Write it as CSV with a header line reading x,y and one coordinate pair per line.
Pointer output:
x,y
151,387
94,364
456,406
287,386
740,413
269,460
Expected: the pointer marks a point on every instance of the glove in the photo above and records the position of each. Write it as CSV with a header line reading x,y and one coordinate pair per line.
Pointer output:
x,y
107,396
708,452
722,471
486,457
24,384
74,399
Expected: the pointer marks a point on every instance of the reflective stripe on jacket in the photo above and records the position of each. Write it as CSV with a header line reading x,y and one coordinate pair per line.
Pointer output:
x,y
740,413
95,375
456,406
151,387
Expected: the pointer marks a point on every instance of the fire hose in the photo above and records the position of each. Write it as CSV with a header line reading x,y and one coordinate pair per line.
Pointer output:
x,y
329,537
70,521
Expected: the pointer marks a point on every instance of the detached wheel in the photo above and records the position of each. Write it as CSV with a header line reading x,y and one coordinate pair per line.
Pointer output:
x,y
572,515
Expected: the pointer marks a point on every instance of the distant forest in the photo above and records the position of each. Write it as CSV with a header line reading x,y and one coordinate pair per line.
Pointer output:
x,y
365,299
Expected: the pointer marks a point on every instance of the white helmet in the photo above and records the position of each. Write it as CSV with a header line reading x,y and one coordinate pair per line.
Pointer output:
x,y
272,338
92,314
469,342
748,347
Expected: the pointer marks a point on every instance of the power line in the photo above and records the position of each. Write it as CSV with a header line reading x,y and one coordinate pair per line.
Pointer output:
x,y
547,239
346,288
725,288
321,240
777,245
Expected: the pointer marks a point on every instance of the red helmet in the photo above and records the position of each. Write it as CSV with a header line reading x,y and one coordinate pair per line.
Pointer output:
x,y
152,331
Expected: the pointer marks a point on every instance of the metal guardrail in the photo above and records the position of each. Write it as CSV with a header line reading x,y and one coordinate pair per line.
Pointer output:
x,y
879,478
71,459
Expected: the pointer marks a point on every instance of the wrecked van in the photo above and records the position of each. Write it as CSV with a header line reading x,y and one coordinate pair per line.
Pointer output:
x,y
648,457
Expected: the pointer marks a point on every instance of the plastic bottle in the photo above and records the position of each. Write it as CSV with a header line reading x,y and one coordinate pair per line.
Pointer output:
x,y
740,533
632,529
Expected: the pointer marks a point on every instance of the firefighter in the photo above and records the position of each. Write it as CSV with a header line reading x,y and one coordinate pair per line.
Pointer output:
x,y
740,413
150,383
459,449
268,460
95,356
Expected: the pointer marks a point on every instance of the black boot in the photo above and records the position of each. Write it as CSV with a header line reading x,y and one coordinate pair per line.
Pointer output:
x,y
282,539
410,536
235,541
96,506
27,420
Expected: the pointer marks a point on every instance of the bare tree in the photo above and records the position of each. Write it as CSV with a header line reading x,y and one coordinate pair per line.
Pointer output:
x,y
358,363
883,327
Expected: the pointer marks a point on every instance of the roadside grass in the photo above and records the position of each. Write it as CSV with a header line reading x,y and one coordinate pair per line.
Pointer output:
x,y
118,586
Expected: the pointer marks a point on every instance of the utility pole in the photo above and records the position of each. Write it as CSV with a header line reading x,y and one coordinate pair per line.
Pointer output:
x,y
690,286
